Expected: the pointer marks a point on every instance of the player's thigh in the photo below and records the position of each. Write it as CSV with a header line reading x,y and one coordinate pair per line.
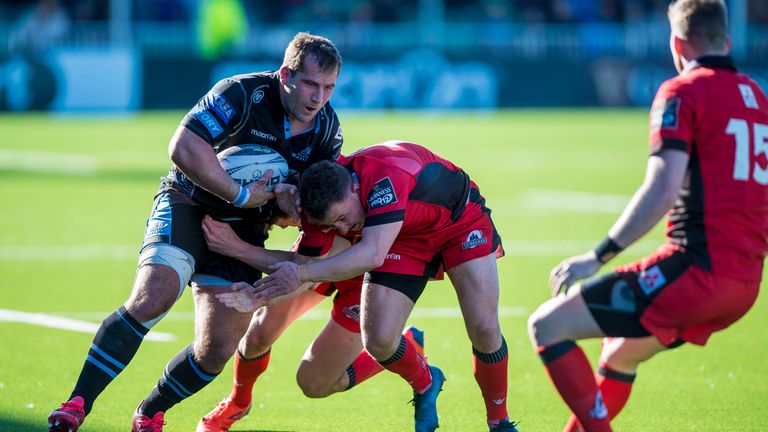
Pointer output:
x,y
218,328
477,286
565,317
268,323
329,355
384,312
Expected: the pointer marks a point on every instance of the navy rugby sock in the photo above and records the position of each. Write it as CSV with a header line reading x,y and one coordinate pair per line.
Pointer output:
x,y
181,378
112,349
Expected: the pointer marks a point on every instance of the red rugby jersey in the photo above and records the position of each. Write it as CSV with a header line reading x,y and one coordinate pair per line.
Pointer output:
x,y
720,118
401,181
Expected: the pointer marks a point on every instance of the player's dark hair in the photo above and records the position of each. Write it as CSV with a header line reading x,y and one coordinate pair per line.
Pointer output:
x,y
702,22
305,44
322,185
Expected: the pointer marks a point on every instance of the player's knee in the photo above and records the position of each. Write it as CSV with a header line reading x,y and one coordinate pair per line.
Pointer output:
x,y
155,291
485,335
539,327
257,341
311,385
380,346
213,356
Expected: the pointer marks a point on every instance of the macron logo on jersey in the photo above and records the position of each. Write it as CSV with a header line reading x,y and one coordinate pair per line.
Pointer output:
x,y
382,194
750,101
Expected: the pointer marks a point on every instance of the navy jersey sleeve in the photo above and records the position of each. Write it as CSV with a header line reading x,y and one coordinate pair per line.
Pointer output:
x,y
219,113
331,138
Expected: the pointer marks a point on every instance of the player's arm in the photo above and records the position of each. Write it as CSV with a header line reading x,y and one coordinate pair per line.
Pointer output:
x,y
367,254
197,160
664,178
223,240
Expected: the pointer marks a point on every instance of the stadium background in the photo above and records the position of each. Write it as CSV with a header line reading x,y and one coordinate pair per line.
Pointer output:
x,y
544,103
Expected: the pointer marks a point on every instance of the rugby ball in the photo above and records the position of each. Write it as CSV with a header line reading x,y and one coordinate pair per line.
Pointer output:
x,y
247,163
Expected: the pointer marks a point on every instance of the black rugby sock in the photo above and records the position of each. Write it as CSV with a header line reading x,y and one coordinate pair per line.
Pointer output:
x,y
181,378
113,347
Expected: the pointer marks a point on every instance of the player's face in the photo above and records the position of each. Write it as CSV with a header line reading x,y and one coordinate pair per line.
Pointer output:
x,y
345,215
305,92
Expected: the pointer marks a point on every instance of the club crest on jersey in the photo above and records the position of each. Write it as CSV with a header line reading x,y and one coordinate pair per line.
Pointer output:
x,y
651,279
474,239
750,101
664,114
257,95
382,194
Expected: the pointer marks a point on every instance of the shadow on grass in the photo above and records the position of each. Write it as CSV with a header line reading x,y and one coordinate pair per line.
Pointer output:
x,y
14,425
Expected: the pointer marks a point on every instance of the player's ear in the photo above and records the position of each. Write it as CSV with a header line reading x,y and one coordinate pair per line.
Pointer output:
x,y
727,44
285,74
677,45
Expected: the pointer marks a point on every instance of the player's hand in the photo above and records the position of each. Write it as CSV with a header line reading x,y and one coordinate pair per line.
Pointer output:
x,y
241,298
220,237
573,269
288,199
282,282
259,195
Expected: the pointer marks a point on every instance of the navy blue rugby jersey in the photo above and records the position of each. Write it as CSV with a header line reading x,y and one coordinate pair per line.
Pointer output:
x,y
246,109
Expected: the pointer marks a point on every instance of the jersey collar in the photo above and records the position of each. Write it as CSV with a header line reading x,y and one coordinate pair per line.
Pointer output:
x,y
712,62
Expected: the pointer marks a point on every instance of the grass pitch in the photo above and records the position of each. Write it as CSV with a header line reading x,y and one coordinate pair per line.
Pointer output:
x,y
75,192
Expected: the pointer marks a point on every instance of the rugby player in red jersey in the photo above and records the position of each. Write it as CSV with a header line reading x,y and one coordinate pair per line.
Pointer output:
x,y
415,211
708,168
332,363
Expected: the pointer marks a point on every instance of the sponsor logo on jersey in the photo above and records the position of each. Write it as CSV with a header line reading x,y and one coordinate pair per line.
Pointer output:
x,y
750,101
209,121
263,135
651,279
352,312
382,194
474,239
302,155
393,257
664,114
221,106
257,95
599,411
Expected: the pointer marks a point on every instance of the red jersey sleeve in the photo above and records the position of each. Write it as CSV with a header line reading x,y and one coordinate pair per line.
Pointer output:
x,y
314,241
672,118
384,192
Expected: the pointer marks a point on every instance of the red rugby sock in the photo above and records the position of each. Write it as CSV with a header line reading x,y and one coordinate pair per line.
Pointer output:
x,y
362,368
407,363
246,373
572,375
615,387
491,376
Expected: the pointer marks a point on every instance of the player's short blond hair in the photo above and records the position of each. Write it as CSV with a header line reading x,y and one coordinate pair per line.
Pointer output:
x,y
701,22
305,44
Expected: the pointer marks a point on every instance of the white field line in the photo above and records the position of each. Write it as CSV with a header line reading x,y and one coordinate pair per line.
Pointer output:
x,y
589,202
63,323
522,248
48,162
325,314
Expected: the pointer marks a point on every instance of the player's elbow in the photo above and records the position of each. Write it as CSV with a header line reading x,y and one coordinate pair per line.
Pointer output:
x,y
375,259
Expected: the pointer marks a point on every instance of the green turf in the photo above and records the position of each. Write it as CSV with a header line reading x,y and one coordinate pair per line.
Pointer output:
x,y
513,156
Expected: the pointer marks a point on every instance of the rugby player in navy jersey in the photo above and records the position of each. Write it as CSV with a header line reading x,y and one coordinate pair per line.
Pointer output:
x,y
708,170
286,110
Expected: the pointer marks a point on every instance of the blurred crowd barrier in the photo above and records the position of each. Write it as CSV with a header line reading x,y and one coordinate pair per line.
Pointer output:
x,y
120,55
